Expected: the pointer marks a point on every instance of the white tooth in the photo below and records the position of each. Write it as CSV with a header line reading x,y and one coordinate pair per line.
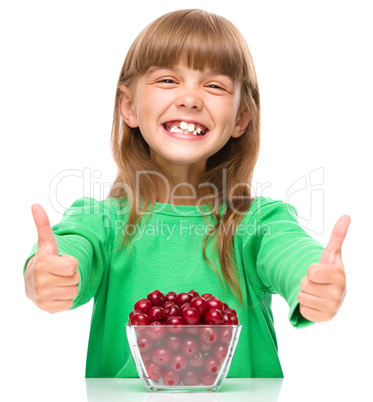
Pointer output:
x,y
195,132
183,125
199,129
174,129
191,127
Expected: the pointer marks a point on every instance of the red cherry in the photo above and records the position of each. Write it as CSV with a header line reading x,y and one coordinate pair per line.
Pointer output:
x,y
156,297
190,377
214,317
140,319
225,306
176,325
167,303
143,306
230,318
130,316
192,330
144,343
189,347
140,329
171,310
182,298
175,320
191,316
207,379
157,331
214,303
197,360
225,335
220,351
170,296
199,303
183,307
206,295
146,357
178,362
161,355
170,377
173,342
212,365
231,310
155,313
205,347
234,321
208,335
153,371
193,293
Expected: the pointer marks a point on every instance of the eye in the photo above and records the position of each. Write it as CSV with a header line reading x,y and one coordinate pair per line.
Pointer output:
x,y
167,81
218,88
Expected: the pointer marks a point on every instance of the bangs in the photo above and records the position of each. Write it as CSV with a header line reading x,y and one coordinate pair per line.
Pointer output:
x,y
195,38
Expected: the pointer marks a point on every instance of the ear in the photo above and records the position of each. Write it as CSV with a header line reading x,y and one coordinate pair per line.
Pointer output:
x,y
127,107
242,121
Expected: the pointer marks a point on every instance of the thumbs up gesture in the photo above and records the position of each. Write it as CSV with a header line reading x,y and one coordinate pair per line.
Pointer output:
x,y
50,279
324,288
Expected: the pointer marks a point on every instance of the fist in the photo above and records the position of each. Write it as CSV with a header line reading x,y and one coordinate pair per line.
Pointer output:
x,y
324,288
50,279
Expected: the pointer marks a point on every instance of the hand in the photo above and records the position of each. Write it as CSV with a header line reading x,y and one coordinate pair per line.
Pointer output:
x,y
324,288
50,279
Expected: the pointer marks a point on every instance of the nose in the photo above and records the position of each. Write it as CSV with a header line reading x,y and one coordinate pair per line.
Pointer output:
x,y
189,99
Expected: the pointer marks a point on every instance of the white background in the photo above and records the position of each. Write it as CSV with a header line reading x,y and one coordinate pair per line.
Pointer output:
x,y
60,64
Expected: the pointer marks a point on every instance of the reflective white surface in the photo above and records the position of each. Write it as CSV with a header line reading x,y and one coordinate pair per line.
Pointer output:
x,y
234,389
47,387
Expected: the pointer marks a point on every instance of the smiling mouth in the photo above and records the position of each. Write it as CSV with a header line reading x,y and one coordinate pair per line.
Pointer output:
x,y
185,128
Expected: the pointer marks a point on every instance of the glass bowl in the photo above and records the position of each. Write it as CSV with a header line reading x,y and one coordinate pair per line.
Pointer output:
x,y
183,358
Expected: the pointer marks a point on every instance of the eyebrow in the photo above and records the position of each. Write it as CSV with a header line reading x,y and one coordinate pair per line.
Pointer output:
x,y
177,70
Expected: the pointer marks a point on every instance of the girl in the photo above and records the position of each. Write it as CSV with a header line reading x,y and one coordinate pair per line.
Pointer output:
x,y
185,138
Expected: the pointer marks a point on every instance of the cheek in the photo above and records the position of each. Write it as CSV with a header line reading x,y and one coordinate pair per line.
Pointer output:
x,y
152,107
225,112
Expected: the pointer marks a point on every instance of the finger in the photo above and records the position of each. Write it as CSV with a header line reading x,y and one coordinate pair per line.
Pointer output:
x,y
312,314
326,274
64,293
52,294
47,242
46,281
64,265
58,306
311,301
58,280
319,290
333,251
322,290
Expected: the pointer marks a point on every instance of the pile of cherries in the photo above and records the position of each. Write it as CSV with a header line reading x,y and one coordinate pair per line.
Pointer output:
x,y
171,351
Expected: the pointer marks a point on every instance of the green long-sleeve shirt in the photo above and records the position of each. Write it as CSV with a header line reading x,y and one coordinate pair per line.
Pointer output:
x,y
272,252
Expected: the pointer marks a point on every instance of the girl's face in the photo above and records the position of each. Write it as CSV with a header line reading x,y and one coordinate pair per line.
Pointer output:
x,y
165,101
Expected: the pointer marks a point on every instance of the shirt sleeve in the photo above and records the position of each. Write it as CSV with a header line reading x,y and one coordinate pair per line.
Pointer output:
x,y
285,252
84,233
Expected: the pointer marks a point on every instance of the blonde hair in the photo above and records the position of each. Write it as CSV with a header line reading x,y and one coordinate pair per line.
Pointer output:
x,y
200,40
